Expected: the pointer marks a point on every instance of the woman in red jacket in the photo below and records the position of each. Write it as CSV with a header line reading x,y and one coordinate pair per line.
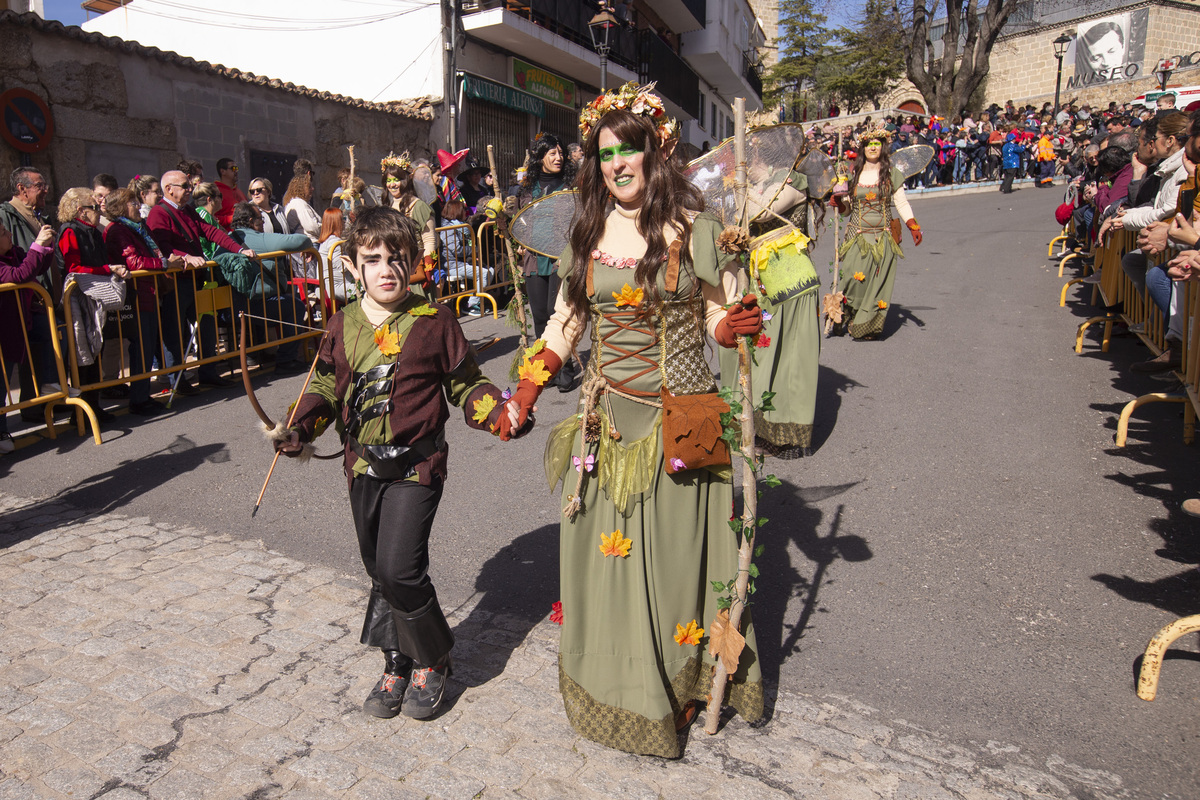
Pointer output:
x,y
128,241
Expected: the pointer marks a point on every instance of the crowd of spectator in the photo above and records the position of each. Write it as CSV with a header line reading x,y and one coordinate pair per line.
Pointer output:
x,y
1142,179
1003,143
107,231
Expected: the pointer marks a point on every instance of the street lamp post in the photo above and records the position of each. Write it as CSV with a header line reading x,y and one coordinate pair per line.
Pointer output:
x,y
1060,49
601,27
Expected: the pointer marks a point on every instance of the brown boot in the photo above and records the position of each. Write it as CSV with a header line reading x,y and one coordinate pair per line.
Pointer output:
x,y
1169,359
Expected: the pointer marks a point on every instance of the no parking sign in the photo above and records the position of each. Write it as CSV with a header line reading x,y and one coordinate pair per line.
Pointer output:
x,y
28,123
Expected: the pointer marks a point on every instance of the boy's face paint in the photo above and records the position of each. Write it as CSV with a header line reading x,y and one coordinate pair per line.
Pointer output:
x,y
621,165
384,274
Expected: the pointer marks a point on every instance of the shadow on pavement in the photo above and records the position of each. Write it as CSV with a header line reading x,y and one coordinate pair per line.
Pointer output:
x,y
831,386
795,521
110,490
514,592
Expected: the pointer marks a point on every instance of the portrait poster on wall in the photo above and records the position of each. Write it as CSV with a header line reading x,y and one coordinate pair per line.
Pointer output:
x,y
1109,49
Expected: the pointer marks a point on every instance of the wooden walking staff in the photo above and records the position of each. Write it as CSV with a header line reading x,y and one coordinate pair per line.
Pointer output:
x,y
513,267
725,638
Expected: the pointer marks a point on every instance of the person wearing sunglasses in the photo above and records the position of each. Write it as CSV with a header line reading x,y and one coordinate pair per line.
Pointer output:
x,y
227,182
262,197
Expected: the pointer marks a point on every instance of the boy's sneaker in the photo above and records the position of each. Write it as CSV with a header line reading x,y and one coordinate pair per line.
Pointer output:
x,y
425,691
384,700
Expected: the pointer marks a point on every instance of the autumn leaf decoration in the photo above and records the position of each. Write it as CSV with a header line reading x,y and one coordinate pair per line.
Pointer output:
x,y
483,407
535,348
387,340
858,276
882,304
423,311
319,426
628,296
872,196
534,371
615,545
724,641
688,634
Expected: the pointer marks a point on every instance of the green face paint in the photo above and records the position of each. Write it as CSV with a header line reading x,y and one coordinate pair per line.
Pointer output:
x,y
624,150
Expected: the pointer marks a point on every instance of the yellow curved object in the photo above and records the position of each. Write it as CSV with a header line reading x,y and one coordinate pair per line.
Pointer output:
x,y
1152,660
1135,404
1083,328
1063,263
1054,241
1062,298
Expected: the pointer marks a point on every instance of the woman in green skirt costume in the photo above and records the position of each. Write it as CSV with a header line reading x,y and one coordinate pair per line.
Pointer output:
x,y
872,245
785,361
644,533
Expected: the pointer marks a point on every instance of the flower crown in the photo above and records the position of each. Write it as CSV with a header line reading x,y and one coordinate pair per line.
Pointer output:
x,y
402,161
635,99
882,134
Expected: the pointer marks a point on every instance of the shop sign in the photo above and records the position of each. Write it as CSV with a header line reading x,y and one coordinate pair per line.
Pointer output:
x,y
546,85
503,95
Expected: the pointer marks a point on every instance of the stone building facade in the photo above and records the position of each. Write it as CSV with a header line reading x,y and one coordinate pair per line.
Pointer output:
x,y
1023,66
126,109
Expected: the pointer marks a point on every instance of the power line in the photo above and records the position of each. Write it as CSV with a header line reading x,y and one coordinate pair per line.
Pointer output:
x,y
411,64
299,26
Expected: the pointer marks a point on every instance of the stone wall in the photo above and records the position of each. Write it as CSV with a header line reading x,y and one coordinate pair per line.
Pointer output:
x,y
120,109
1023,67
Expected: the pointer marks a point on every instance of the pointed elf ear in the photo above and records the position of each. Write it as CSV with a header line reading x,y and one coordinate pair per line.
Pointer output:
x,y
668,148
348,265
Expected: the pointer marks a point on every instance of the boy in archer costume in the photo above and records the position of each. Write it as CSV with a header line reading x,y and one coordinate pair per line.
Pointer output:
x,y
384,371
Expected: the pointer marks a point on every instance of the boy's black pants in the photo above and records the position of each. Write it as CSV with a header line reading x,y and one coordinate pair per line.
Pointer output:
x,y
393,520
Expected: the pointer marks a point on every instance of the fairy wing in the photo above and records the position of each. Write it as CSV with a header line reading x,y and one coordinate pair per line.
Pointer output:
x,y
423,182
543,225
770,155
821,171
912,160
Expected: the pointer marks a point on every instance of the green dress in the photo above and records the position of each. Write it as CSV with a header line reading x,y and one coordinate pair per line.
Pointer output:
x,y
622,674
787,363
869,251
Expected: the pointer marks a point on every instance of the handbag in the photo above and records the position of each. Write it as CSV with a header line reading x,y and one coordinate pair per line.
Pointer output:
x,y
691,429
895,226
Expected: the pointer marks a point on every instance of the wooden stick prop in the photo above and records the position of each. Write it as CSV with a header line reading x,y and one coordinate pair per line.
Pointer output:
x,y
291,419
513,267
725,638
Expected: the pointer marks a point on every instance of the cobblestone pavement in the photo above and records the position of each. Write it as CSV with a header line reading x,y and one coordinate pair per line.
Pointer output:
x,y
143,659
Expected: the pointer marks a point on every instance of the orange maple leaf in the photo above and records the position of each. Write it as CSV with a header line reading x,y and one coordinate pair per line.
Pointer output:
x,y
882,304
387,341
615,545
628,296
724,641
534,371
689,634
858,276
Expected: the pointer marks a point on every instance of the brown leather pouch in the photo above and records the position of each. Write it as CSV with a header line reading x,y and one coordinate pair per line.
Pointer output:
x,y
896,231
691,428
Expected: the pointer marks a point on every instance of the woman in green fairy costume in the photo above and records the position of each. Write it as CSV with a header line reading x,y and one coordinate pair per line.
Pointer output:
x,y
787,352
643,533
871,248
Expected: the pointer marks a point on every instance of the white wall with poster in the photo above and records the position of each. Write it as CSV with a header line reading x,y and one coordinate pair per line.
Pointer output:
x,y
1109,49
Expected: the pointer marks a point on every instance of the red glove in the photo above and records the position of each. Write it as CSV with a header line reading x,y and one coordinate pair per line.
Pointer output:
x,y
915,229
526,395
742,319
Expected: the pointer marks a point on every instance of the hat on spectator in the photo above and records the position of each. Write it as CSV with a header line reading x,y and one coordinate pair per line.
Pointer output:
x,y
447,161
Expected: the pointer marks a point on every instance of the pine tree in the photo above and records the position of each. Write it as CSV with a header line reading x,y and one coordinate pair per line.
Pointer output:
x,y
802,42
870,60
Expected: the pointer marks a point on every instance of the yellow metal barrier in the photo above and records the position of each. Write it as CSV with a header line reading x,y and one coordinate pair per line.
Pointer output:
x,y
45,396
311,302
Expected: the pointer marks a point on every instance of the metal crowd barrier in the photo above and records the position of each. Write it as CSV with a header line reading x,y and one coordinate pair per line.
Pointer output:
x,y
1149,324
47,394
312,300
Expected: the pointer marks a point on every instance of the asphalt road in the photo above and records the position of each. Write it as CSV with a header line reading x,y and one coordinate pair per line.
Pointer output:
x,y
966,551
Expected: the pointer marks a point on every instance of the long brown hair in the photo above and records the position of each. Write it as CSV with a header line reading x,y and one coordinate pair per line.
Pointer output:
x,y
667,199
885,171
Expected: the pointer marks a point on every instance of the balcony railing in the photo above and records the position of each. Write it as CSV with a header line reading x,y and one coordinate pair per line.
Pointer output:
x,y
676,80
752,72
568,19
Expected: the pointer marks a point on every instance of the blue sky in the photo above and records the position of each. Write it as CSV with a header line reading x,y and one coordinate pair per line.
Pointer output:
x,y
67,12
